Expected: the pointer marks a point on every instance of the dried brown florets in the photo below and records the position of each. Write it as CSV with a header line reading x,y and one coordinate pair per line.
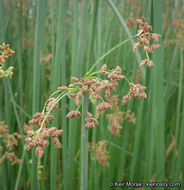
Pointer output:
x,y
102,107
136,90
102,153
144,38
6,52
155,37
10,141
103,70
148,62
38,139
99,152
39,117
131,117
73,114
75,79
63,88
117,118
90,121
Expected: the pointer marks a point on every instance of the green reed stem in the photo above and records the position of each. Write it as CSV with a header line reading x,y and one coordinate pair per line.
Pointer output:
x,y
62,95
20,168
36,84
68,169
84,146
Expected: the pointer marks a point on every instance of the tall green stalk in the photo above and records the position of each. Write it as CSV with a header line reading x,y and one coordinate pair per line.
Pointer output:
x,y
36,84
159,105
59,65
69,175
84,146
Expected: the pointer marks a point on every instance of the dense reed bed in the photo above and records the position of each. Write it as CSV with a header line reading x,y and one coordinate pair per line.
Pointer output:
x,y
140,141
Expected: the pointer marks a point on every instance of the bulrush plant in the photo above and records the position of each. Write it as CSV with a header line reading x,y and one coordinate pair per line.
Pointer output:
x,y
99,88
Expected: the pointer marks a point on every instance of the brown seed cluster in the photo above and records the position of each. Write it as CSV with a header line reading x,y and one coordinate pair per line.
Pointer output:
x,y
90,121
39,117
38,137
6,52
101,153
144,39
117,118
10,141
136,90
97,88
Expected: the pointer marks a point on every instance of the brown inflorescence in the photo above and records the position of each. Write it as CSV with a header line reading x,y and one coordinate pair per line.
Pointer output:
x,y
39,117
100,152
95,87
136,90
90,121
6,52
117,118
144,39
99,89
38,137
73,114
10,141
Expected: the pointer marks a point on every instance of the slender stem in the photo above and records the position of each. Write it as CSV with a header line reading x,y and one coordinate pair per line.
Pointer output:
x,y
59,98
20,168
84,147
110,51
50,97
36,83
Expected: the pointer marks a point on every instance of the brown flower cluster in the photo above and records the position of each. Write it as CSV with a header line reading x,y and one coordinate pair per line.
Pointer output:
x,y
136,90
38,137
117,118
10,141
90,121
6,52
100,152
96,88
144,38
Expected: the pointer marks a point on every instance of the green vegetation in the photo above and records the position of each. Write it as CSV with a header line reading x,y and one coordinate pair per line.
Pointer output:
x,y
56,40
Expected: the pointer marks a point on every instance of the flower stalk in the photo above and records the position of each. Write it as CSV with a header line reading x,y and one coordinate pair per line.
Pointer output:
x,y
84,146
